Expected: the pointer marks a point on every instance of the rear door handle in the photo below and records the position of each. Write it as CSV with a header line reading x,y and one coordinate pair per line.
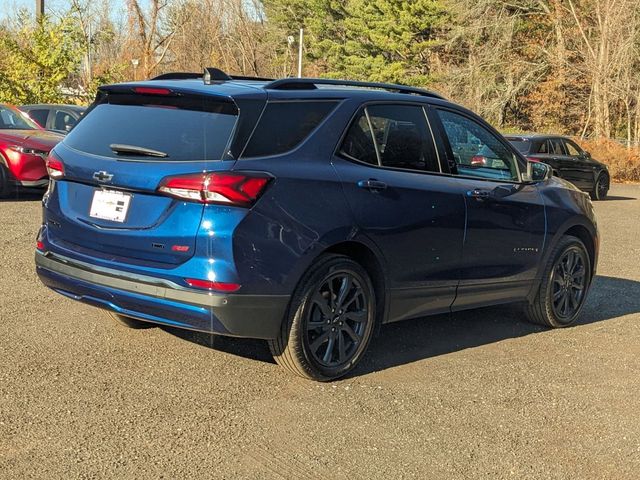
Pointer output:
x,y
372,184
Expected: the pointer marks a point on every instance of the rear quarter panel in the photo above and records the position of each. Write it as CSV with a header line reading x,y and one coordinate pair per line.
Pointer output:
x,y
302,213
566,207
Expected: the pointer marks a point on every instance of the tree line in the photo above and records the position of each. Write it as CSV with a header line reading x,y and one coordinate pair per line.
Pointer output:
x,y
562,66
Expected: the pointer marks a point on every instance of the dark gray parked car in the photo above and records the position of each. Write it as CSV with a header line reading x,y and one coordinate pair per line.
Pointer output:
x,y
568,161
58,118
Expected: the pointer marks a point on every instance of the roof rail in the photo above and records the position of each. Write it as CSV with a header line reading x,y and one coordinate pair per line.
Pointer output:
x,y
258,79
310,84
209,75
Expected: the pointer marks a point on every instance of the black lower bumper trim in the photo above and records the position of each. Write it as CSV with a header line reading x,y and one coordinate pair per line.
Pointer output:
x,y
251,316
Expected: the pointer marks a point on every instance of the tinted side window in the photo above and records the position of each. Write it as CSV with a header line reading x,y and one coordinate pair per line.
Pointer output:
x,y
572,149
476,151
284,125
63,120
358,143
39,116
403,138
544,147
556,147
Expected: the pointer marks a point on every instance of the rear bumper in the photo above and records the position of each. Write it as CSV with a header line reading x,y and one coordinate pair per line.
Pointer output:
x,y
161,301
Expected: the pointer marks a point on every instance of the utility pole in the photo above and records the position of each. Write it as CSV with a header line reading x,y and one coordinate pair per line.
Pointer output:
x,y
39,9
300,43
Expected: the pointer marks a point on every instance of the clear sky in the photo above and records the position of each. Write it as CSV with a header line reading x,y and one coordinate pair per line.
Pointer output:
x,y
9,6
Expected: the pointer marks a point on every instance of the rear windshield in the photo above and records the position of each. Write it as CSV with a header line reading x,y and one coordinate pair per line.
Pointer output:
x,y
523,146
183,129
284,125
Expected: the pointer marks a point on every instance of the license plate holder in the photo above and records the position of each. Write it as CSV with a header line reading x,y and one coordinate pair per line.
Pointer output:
x,y
110,205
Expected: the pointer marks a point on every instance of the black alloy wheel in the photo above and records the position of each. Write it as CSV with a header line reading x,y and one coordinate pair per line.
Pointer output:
x,y
337,320
568,283
601,188
330,320
564,286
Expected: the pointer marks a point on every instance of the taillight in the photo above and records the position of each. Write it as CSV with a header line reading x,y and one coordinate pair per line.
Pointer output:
x,y
209,285
40,245
240,189
478,161
55,167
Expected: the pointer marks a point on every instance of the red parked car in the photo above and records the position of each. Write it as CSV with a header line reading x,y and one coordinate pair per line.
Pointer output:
x,y
24,146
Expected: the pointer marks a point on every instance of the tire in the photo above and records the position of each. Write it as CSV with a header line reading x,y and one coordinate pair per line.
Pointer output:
x,y
5,185
128,321
330,320
562,281
601,187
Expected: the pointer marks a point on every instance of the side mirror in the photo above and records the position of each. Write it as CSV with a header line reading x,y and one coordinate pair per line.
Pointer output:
x,y
537,172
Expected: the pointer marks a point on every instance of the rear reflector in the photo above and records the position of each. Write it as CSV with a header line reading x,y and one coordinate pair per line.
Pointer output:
x,y
152,91
209,285
55,167
239,189
180,248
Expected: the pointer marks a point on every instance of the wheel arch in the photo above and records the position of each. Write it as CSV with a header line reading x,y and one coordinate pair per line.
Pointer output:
x,y
6,176
373,264
4,160
586,233
582,233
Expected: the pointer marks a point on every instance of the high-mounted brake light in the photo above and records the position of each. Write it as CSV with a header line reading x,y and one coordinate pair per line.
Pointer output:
x,y
152,91
55,167
209,285
237,189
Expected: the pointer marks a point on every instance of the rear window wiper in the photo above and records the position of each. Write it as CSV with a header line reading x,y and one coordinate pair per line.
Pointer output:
x,y
135,150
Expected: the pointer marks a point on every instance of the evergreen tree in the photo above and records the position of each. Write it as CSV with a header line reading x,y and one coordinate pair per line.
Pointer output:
x,y
379,40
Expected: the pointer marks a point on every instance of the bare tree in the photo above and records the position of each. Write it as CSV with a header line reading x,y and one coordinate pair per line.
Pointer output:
x,y
150,33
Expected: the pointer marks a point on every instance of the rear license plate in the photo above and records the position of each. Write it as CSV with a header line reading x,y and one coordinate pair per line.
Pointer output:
x,y
110,205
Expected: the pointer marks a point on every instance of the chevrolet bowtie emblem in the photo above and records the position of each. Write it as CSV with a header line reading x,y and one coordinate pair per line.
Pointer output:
x,y
102,176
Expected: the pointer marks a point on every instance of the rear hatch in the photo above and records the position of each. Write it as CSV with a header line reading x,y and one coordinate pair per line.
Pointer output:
x,y
132,138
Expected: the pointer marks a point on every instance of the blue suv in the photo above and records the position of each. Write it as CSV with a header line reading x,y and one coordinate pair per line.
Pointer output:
x,y
306,212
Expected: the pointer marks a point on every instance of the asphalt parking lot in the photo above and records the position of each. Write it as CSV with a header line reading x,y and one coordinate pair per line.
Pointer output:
x,y
481,394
